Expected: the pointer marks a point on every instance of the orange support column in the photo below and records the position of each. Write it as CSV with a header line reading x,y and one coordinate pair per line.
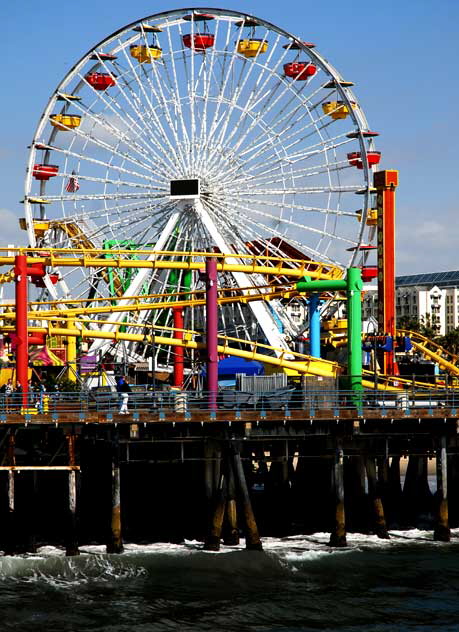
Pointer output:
x,y
385,183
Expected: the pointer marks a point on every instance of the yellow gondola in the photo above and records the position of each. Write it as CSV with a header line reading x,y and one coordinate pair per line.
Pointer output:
x,y
372,216
145,54
65,121
252,47
336,109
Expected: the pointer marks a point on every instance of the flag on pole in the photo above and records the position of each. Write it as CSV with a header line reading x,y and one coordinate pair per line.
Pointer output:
x,y
72,185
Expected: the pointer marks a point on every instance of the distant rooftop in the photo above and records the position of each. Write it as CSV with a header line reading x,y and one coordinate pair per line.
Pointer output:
x,y
441,279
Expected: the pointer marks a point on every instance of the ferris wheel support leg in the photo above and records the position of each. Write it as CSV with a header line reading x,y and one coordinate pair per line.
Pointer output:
x,y
314,325
212,331
22,349
136,283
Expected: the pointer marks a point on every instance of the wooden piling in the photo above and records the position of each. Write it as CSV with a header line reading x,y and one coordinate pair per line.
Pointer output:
x,y
338,535
417,497
442,532
252,538
379,518
231,533
356,499
212,542
10,542
115,544
71,546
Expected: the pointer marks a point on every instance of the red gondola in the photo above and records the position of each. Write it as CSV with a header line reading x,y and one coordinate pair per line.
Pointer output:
x,y
199,41
355,159
300,70
100,80
44,172
369,273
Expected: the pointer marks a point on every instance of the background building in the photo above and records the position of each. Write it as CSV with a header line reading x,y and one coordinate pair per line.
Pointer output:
x,y
433,297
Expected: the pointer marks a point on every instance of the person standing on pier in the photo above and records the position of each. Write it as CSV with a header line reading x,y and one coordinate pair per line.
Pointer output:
x,y
124,389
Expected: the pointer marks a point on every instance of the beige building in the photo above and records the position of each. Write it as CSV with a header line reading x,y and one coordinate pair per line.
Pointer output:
x,y
434,296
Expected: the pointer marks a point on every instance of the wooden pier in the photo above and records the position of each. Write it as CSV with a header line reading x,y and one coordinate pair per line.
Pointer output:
x,y
73,476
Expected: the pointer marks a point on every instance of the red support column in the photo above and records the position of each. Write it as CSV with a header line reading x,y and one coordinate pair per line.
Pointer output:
x,y
22,350
179,351
385,183
212,331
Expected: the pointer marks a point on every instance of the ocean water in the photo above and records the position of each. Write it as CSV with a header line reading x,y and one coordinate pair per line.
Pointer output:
x,y
296,584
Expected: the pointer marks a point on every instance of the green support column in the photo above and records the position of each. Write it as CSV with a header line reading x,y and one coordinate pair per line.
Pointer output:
x,y
353,286
354,328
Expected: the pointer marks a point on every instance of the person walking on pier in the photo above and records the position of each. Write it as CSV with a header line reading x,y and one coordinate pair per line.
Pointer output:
x,y
7,391
123,389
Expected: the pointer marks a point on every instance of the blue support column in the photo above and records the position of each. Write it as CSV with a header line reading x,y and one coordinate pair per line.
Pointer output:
x,y
314,325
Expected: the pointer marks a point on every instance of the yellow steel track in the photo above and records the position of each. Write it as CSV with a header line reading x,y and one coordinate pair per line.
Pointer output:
x,y
253,264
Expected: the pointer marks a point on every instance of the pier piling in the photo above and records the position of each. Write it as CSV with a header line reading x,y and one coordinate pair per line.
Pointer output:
x,y
338,534
442,531
252,537
115,544
71,547
379,518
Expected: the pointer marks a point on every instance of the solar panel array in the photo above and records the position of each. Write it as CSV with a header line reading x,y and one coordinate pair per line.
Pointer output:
x,y
441,279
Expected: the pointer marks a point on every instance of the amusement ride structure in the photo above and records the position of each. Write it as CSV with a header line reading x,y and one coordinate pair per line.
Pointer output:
x,y
189,137
193,174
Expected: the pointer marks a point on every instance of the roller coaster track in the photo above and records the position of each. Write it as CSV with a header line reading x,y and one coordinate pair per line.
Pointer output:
x,y
250,264
269,266
445,359
302,364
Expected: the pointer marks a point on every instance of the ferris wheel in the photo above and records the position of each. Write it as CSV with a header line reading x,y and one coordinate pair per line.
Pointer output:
x,y
200,130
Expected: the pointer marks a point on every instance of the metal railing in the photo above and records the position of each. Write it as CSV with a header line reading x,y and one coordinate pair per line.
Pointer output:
x,y
169,403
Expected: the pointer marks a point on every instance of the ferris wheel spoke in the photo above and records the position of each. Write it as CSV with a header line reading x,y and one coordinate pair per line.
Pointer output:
x,y
176,91
118,183
151,109
269,176
309,209
209,74
289,222
262,230
131,208
237,93
294,140
94,161
226,77
111,149
250,102
158,152
297,126
158,90
102,196
122,115
269,105
308,152
112,130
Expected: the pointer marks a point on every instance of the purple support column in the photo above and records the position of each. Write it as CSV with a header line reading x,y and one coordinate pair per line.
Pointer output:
x,y
212,331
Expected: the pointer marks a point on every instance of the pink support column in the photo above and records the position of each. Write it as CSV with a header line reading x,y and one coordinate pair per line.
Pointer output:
x,y
179,351
22,347
212,331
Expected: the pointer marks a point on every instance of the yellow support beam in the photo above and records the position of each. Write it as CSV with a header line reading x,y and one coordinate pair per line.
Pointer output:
x,y
139,307
259,264
71,354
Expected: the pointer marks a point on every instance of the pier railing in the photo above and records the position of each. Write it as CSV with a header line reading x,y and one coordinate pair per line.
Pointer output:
x,y
164,405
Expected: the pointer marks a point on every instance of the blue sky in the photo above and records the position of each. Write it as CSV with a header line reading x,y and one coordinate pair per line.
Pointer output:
x,y
402,57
